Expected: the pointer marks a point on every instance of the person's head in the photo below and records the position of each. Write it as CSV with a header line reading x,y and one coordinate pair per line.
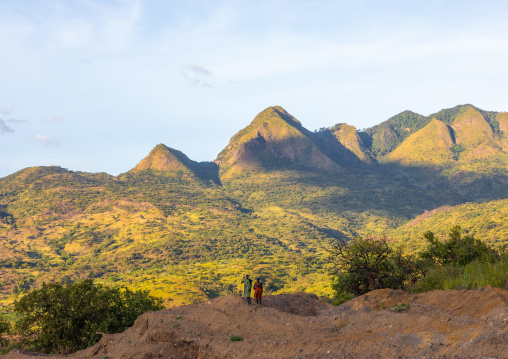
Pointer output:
x,y
246,276
258,280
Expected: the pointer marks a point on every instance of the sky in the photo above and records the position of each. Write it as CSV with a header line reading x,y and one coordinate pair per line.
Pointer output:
x,y
94,85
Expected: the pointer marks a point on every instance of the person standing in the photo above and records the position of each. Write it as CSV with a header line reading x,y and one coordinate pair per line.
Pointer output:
x,y
247,286
258,291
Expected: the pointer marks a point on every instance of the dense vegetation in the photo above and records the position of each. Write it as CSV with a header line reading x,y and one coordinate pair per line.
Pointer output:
x,y
365,264
65,318
5,328
463,262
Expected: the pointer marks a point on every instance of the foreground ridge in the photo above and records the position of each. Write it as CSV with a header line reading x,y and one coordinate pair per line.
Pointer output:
x,y
381,324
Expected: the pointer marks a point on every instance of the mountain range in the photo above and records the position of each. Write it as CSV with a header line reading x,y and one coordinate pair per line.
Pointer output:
x,y
271,202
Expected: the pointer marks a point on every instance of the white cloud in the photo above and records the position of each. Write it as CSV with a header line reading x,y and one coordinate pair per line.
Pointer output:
x,y
4,128
42,139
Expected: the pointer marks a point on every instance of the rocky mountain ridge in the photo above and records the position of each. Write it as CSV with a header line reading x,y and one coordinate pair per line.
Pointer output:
x,y
275,140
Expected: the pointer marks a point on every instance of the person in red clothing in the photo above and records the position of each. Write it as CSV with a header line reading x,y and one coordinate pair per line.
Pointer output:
x,y
258,291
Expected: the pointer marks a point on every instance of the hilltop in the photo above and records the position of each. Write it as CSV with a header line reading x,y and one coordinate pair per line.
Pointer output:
x,y
381,324
274,140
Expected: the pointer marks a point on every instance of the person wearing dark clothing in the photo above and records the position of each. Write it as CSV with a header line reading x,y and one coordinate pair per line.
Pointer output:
x,y
258,291
247,286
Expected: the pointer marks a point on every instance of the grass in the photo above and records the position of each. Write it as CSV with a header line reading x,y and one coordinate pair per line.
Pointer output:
x,y
474,275
400,307
235,338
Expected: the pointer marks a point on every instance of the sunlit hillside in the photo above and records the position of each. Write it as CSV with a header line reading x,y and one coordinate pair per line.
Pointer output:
x,y
271,204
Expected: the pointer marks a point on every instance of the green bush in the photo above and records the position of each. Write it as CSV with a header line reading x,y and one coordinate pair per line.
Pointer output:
x,y
458,250
5,328
66,317
476,274
365,264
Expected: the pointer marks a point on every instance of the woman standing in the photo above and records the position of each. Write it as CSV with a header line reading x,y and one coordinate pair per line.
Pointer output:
x,y
247,286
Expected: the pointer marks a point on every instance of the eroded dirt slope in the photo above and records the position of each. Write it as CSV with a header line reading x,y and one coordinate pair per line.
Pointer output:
x,y
437,324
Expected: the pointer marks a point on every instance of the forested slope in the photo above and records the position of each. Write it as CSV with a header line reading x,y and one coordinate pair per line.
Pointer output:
x,y
271,203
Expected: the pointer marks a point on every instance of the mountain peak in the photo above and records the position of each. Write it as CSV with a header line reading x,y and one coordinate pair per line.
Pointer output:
x,y
163,158
277,112
166,159
274,139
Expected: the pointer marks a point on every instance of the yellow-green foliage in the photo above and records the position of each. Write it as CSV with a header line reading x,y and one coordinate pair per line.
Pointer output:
x,y
162,158
482,220
429,146
174,227
474,275
472,131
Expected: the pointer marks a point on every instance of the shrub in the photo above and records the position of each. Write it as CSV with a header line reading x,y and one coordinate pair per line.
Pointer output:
x,y
4,329
67,317
457,250
365,264
235,338
476,274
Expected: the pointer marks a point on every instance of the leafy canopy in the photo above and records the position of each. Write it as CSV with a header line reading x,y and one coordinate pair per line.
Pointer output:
x,y
458,250
4,329
365,264
68,317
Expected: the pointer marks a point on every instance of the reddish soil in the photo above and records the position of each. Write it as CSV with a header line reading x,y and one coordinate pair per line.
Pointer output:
x,y
437,324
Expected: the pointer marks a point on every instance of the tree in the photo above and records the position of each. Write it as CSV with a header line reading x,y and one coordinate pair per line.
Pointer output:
x,y
66,317
365,264
5,328
457,250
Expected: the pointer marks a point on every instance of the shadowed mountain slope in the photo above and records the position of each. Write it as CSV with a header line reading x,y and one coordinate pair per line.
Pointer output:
x,y
348,136
274,140
386,136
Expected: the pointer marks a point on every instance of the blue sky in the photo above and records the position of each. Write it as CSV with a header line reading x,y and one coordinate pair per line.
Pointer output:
x,y
94,85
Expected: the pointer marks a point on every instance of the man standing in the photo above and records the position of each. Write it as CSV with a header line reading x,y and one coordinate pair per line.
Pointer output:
x,y
247,286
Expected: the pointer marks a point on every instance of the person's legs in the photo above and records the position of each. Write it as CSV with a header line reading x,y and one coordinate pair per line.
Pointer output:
x,y
248,301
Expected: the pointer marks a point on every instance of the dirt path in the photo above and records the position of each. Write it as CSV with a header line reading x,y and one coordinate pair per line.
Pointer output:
x,y
437,324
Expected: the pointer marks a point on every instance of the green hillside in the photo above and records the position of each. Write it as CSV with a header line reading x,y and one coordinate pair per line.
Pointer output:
x,y
271,204
483,220
417,150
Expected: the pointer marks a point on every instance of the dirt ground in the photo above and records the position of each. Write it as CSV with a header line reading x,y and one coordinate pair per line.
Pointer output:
x,y
381,324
